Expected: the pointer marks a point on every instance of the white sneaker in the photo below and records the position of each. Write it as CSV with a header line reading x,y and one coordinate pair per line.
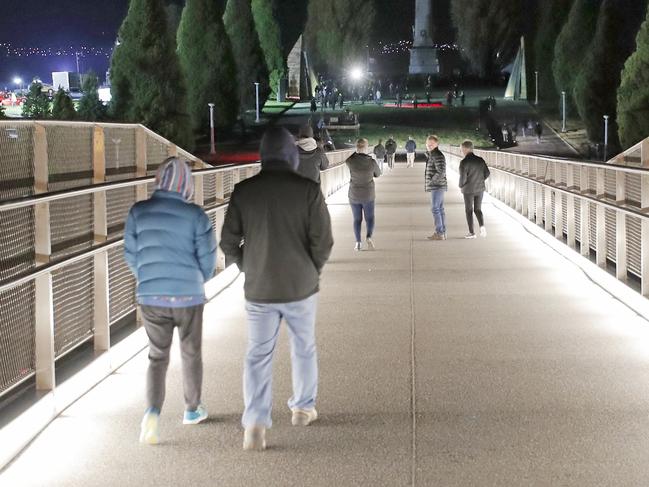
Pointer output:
x,y
358,246
149,427
304,417
470,236
483,232
197,416
370,244
254,438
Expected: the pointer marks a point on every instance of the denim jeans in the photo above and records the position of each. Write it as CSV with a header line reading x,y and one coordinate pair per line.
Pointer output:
x,y
263,330
437,199
410,156
358,210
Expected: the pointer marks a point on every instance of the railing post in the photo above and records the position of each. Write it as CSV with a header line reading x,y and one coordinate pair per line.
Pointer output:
x,y
558,215
172,150
539,203
570,210
621,264
644,239
99,176
548,209
140,162
584,220
44,336
102,302
199,194
219,181
42,233
600,229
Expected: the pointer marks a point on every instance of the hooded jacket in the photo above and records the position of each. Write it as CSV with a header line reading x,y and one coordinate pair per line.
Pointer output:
x,y
169,244
312,159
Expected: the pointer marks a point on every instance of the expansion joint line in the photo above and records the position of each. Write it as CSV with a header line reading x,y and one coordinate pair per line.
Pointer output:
x,y
413,364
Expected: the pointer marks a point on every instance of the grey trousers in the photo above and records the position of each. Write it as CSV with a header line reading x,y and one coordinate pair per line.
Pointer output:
x,y
159,324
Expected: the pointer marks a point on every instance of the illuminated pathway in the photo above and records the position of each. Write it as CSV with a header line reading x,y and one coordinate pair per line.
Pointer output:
x,y
525,373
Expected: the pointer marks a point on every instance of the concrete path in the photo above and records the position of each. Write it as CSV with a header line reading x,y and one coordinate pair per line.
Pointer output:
x,y
461,363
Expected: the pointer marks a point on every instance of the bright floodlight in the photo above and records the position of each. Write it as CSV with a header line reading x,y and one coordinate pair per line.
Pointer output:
x,y
356,74
18,81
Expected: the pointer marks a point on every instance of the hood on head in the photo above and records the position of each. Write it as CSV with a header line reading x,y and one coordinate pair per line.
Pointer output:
x,y
308,144
175,176
278,145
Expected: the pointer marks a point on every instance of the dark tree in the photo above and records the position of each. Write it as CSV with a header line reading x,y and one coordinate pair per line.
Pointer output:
x,y
270,37
147,84
338,35
63,106
572,44
90,107
553,16
633,94
37,104
597,83
249,58
291,16
488,31
2,112
207,61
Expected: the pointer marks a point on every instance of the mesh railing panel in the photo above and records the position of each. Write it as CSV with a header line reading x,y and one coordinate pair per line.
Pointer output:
x,y
118,203
228,184
564,212
578,219
69,152
609,184
610,234
592,179
120,153
121,285
17,334
209,190
592,225
72,225
576,177
16,242
633,244
16,160
74,298
633,188
156,153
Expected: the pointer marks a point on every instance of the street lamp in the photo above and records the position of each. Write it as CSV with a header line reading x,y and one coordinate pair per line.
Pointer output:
x,y
536,84
18,82
356,74
605,137
257,100
212,145
563,110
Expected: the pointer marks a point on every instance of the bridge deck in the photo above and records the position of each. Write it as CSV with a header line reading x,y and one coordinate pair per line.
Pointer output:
x,y
525,373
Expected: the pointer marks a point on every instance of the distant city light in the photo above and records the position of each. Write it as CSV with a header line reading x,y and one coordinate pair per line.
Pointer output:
x,y
356,74
18,81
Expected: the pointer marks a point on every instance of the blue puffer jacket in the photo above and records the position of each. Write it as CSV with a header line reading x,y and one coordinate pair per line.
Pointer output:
x,y
169,243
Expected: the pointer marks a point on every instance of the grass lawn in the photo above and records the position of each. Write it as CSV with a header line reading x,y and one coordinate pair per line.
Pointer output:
x,y
277,107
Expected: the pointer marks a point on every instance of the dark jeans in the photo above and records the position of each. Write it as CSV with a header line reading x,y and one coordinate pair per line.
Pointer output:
x,y
358,210
159,324
473,204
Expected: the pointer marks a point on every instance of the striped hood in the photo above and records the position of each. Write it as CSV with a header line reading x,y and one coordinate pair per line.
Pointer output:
x,y
176,176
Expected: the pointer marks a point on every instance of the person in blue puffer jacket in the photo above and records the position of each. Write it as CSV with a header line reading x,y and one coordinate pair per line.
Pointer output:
x,y
170,247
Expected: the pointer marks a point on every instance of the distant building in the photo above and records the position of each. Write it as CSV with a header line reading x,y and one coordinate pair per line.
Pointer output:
x,y
70,82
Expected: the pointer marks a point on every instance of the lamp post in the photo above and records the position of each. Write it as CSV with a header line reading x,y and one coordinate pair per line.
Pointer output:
x,y
563,110
257,101
18,82
212,146
536,84
605,137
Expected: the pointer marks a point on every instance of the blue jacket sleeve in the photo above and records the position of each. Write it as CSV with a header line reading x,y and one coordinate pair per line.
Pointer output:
x,y
205,243
130,243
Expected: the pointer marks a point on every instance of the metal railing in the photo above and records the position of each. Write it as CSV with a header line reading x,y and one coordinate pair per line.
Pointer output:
x,y
601,210
63,278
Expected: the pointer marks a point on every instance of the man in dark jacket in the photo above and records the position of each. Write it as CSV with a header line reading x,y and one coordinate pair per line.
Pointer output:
x,y
312,158
437,185
278,232
170,247
411,151
473,173
390,151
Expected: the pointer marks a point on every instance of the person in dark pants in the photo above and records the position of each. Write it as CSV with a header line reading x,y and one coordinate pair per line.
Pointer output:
x,y
390,151
473,174
278,232
363,169
170,247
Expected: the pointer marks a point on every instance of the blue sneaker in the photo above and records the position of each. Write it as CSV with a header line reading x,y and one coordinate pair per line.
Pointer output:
x,y
195,417
149,427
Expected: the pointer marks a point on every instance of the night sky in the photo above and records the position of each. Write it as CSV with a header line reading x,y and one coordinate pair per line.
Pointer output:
x,y
64,23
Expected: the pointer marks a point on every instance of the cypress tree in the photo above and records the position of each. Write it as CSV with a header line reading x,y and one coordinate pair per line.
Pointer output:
x,y
146,81
2,112
91,108
597,83
251,66
208,64
63,106
270,38
554,14
37,104
572,44
633,94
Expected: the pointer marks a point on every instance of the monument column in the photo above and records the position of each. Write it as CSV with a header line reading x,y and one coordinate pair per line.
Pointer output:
x,y
423,55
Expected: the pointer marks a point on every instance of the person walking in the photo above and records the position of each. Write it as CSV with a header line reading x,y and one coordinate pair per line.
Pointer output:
x,y
411,151
473,174
437,185
363,169
314,105
170,248
379,153
390,151
312,158
538,130
278,232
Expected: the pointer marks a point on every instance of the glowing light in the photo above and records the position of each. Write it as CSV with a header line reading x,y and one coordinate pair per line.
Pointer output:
x,y
356,74
18,81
